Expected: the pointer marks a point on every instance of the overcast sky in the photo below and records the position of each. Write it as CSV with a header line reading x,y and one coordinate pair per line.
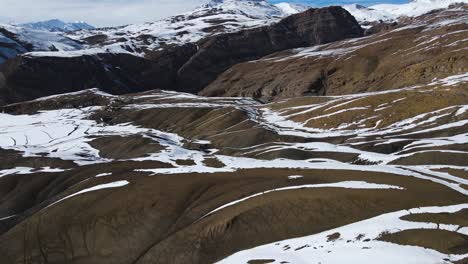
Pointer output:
x,y
112,12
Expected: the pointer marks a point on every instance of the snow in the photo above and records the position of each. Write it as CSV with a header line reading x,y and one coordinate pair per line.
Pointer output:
x,y
103,175
6,218
77,53
28,170
346,185
92,90
338,112
452,80
295,177
462,110
284,125
64,134
116,184
357,243
323,51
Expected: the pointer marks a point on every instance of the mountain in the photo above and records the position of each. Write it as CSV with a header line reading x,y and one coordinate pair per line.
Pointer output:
x,y
56,25
214,17
391,12
181,178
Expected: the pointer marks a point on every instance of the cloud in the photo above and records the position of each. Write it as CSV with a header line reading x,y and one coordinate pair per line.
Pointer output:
x,y
96,12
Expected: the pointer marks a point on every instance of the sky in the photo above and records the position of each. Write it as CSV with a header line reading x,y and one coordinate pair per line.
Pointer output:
x,y
118,12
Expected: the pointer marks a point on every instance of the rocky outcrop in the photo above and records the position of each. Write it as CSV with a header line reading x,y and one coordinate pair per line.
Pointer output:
x,y
186,68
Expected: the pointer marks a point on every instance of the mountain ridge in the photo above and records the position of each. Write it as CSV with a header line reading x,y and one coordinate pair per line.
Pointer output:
x,y
57,25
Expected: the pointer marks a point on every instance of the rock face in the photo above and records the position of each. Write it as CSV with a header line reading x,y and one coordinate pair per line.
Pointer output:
x,y
420,50
181,68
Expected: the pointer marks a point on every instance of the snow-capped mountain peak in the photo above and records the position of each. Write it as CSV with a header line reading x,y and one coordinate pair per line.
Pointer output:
x,y
221,2
388,12
290,8
368,14
56,25
259,9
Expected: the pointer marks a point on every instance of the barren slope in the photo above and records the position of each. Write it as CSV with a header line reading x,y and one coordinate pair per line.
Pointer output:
x,y
165,177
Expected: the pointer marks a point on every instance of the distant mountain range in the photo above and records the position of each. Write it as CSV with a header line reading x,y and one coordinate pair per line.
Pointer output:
x,y
56,25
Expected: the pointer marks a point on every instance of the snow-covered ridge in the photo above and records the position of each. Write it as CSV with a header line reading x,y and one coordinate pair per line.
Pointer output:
x,y
56,25
16,40
389,12
41,40
256,9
